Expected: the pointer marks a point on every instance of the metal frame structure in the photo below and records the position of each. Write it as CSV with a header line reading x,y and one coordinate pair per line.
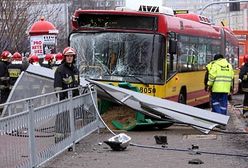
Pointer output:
x,y
28,138
203,120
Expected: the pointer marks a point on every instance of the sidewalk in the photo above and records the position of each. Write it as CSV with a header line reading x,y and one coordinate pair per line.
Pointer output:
x,y
240,123
92,153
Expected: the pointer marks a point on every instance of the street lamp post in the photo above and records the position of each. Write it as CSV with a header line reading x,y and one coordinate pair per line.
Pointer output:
x,y
223,2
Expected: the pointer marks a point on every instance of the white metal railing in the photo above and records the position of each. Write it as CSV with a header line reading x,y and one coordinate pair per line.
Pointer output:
x,y
32,137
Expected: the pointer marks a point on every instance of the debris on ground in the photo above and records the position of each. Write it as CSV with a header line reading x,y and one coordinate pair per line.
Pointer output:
x,y
122,114
161,140
194,150
196,161
118,142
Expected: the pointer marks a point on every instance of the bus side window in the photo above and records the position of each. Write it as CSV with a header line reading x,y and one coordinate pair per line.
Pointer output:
x,y
202,48
182,57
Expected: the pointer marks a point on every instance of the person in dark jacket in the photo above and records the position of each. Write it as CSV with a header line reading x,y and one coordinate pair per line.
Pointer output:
x,y
243,78
15,68
66,76
4,79
48,61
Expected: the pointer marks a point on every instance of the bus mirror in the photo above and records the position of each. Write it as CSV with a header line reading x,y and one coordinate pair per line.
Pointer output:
x,y
172,46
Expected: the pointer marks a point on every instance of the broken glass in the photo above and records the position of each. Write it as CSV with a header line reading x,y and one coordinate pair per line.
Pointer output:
x,y
131,57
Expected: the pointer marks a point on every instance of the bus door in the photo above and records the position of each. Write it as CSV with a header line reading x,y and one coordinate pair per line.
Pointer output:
x,y
172,55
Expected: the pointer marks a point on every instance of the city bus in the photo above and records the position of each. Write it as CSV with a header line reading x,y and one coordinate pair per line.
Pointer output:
x,y
242,36
161,53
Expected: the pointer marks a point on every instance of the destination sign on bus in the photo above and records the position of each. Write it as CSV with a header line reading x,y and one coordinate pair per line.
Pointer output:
x,y
117,21
181,12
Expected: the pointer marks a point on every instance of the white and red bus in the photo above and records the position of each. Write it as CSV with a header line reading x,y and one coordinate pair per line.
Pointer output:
x,y
161,53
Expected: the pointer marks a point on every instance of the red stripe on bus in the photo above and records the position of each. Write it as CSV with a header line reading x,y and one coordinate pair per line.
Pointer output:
x,y
196,94
193,95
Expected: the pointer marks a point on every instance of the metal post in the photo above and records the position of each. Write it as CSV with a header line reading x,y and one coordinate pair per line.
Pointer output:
x,y
221,2
94,100
9,109
66,5
97,117
72,122
31,133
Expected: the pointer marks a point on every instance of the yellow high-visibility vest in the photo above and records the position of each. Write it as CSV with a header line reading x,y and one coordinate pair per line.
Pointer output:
x,y
209,65
221,76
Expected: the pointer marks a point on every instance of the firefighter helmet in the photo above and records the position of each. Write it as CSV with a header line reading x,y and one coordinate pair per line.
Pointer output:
x,y
5,56
245,58
48,58
17,56
33,59
58,58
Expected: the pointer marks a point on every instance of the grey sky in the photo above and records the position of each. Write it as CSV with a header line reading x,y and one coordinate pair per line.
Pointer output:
x,y
134,4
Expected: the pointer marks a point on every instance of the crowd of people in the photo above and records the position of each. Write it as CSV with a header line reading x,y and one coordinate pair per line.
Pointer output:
x,y
11,66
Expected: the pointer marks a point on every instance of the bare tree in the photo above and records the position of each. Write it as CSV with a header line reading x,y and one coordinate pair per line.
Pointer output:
x,y
16,17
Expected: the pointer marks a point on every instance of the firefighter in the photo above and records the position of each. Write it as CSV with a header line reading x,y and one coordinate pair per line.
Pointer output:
x,y
4,80
15,68
6,57
243,79
33,59
48,61
66,76
220,80
58,60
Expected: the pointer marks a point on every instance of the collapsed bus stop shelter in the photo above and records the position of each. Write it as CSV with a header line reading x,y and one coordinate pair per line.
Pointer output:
x,y
27,126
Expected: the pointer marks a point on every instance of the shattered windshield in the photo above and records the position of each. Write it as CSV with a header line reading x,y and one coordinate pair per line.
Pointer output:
x,y
131,57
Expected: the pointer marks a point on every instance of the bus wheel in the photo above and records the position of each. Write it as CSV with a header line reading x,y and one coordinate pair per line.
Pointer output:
x,y
182,97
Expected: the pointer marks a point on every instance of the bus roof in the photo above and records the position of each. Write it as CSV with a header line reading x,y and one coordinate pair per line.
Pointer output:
x,y
181,23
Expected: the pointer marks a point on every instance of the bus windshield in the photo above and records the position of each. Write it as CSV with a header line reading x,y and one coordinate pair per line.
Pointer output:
x,y
131,57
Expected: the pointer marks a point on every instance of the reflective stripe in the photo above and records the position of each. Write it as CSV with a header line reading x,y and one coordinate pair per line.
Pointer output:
x,y
4,78
223,108
245,108
14,73
58,88
68,80
219,80
216,103
245,89
229,77
4,87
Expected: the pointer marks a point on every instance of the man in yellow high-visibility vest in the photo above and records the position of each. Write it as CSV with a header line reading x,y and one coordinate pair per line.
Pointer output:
x,y
208,67
220,80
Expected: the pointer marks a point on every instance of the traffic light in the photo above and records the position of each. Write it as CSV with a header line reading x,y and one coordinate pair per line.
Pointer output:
x,y
234,6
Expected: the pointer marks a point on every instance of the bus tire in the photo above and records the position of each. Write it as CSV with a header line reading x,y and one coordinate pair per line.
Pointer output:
x,y
182,96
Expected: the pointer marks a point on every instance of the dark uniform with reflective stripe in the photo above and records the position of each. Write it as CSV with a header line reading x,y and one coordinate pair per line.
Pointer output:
x,y
4,88
243,76
14,71
65,77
